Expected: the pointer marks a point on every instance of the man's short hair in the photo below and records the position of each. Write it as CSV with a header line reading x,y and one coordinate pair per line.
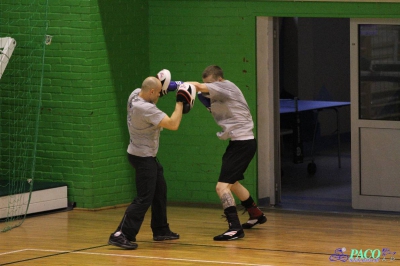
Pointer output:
x,y
214,71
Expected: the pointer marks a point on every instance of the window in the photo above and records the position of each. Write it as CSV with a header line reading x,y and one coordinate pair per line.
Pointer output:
x,y
379,72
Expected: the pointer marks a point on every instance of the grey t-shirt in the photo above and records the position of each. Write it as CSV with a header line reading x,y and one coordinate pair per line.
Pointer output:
x,y
143,118
231,111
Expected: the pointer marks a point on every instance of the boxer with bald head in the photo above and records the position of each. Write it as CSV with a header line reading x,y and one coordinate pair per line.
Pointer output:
x,y
145,122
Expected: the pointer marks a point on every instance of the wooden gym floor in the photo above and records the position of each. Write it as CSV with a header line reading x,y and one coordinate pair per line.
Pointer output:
x,y
79,237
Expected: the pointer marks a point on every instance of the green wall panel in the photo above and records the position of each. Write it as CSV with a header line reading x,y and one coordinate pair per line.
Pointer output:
x,y
194,34
92,65
102,50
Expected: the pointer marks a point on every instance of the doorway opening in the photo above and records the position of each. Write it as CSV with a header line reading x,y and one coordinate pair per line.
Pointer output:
x,y
314,64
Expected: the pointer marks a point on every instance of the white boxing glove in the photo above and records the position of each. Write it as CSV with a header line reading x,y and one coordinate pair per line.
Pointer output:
x,y
165,77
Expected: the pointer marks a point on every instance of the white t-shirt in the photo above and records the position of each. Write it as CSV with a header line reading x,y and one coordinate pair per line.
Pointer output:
x,y
143,118
231,111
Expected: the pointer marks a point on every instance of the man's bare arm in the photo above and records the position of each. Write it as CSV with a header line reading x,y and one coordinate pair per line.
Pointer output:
x,y
173,122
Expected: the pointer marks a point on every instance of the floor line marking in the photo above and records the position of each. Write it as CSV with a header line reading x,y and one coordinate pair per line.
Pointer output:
x,y
141,257
11,252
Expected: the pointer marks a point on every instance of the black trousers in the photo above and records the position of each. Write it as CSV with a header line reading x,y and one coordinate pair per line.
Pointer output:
x,y
151,191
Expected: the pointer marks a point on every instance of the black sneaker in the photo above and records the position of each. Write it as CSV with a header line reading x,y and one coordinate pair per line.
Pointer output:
x,y
252,222
231,234
121,241
168,236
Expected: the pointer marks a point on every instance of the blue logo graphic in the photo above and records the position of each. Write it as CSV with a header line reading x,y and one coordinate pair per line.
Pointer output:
x,y
339,255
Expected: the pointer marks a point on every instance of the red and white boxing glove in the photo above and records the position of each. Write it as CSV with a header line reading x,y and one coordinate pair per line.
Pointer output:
x,y
186,94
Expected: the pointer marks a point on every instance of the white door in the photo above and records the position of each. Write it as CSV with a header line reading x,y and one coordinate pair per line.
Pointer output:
x,y
269,182
375,113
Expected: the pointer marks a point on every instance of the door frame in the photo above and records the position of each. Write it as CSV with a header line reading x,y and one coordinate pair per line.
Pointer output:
x,y
269,173
269,164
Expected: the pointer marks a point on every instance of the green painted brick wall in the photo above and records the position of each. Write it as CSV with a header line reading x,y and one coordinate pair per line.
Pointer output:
x,y
195,40
93,63
103,49
24,21
187,36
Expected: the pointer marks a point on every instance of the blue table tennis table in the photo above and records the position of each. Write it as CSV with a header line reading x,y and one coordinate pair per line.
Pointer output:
x,y
295,106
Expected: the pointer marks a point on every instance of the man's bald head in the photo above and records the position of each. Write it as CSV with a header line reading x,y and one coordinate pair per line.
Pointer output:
x,y
150,90
151,83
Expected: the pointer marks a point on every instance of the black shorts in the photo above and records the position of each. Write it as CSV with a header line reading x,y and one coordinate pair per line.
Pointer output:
x,y
236,159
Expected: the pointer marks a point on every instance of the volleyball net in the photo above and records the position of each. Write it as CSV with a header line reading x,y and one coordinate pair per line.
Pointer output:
x,y
23,27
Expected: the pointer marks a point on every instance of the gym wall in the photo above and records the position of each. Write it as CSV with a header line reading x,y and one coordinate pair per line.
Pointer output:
x,y
102,50
98,54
